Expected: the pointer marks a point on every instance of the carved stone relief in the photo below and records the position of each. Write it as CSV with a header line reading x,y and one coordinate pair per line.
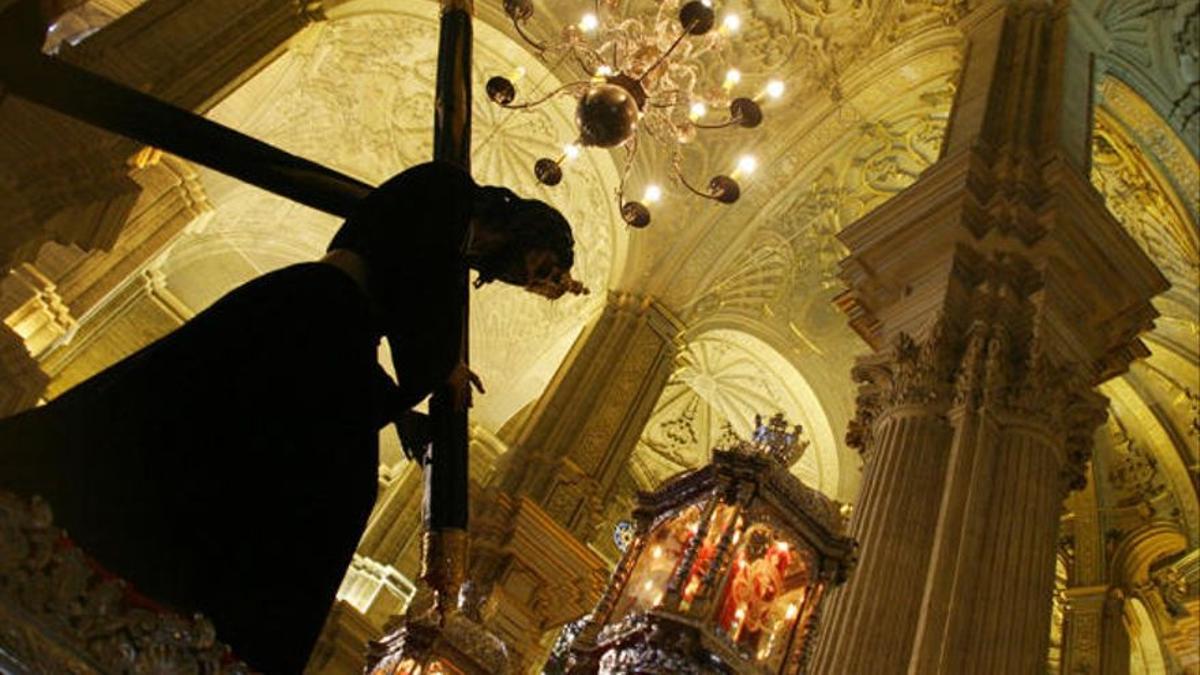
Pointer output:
x,y
723,379
794,251
1137,198
1153,46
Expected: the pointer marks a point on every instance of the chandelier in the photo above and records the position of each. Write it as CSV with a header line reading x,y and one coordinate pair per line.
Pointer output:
x,y
643,77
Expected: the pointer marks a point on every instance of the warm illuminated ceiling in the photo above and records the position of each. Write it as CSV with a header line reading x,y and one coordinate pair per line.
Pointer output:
x,y
356,93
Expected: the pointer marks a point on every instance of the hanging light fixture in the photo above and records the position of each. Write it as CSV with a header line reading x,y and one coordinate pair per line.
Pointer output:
x,y
642,78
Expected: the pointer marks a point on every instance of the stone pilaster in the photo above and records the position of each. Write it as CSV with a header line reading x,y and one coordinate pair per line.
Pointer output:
x,y
531,529
1097,639
997,292
67,182
43,304
568,456
35,320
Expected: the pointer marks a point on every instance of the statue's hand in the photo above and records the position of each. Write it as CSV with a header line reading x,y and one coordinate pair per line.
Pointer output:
x,y
461,380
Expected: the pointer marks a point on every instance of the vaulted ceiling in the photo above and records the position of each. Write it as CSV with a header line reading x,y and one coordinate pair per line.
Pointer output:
x,y
870,84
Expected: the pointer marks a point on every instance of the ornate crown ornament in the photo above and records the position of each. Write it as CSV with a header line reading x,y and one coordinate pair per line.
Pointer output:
x,y
773,438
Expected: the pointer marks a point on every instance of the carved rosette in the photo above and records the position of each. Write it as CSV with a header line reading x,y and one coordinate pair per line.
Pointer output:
x,y
60,614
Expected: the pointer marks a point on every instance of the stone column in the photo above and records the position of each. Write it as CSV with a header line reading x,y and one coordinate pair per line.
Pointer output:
x,y
531,528
569,454
997,292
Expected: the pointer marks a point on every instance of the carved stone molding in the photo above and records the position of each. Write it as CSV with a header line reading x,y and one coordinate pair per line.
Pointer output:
x,y
43,304
533,574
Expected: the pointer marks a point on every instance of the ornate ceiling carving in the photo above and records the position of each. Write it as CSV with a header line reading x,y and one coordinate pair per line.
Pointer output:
x,y
1143,201
1162,147
1154,47
356,93
724,378
793,252
1147,456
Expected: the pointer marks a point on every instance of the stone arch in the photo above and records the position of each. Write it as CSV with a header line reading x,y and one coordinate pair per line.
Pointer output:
x,y
1145,652
723,378
1140,549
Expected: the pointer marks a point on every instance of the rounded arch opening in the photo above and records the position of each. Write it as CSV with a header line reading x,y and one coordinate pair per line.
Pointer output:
x,y
723,379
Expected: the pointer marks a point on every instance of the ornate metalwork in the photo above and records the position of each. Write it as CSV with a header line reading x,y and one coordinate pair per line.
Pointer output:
x,y
729,568
642,78
60,613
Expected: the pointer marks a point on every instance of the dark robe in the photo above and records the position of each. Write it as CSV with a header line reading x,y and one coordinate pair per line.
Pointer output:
x,y
230,467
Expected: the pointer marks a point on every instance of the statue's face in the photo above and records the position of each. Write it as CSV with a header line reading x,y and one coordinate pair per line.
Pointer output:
x,y
538,273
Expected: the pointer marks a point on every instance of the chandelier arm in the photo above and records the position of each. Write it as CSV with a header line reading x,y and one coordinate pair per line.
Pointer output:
x,y
684,181
630,151
670,50
547,97
587,71
732,121
541,48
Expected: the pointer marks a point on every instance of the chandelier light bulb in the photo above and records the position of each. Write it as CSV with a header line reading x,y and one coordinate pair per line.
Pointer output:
x,y
517,73
746,165
732,77
654,94
791,612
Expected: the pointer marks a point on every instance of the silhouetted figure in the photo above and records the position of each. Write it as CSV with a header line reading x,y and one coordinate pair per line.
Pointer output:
x,y
230,467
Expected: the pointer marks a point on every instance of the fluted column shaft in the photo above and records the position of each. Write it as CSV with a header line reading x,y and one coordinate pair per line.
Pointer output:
x,y
887,519
997,292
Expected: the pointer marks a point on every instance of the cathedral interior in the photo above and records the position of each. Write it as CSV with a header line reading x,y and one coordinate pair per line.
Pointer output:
x,y
946,188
